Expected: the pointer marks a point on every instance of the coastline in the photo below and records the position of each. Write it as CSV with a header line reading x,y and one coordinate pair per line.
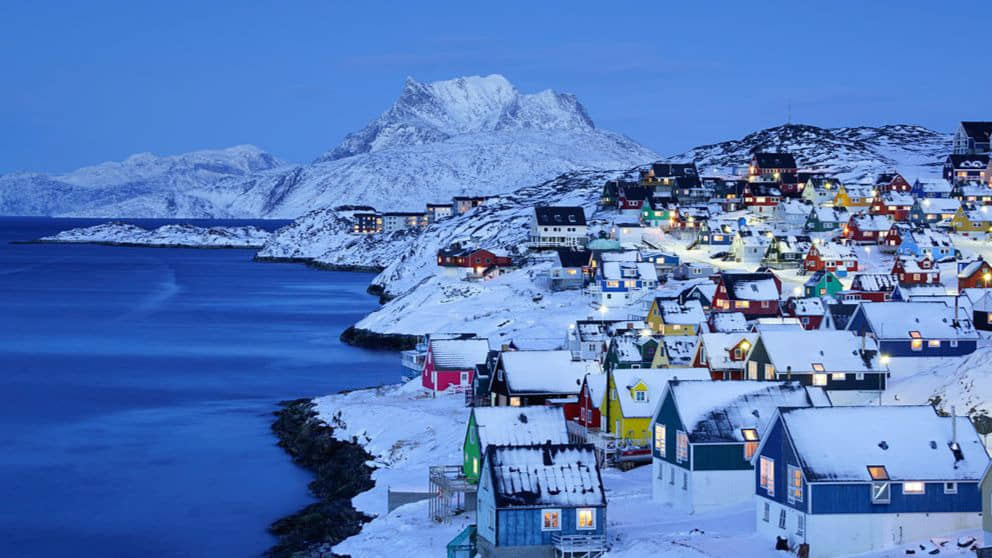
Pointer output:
x,y
341,472
368,339
142,245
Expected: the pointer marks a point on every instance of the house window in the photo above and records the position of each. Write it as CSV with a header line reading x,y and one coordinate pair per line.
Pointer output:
x,y
514,401
781,518
463,378
800,524
769,372
767,513
878,472
671,477
817,367
640,395
767,466
764,304
659,439
750,442
954,342
859,376
551,520
838,376
585,519
685,480
737,354
950,488
916,344
913,487
795,484
933,343
681,447
475,465
742,304
881,492
752,370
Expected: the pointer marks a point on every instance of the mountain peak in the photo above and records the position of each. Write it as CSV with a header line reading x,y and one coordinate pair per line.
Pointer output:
x,y
437,111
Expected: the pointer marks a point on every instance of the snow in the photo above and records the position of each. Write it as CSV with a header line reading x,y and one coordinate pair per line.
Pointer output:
x,y
933,320
563,475
545,371
837,351
520,426
719,346
729,322
166,235
757,289
690,313
839,443
459,354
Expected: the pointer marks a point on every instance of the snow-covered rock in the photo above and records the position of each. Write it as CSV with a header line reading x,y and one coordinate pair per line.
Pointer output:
x,y
126,234
854,154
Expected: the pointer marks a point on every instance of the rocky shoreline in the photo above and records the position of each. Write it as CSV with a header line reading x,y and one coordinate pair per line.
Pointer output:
x,y
140,244
342,472
309,262
367,339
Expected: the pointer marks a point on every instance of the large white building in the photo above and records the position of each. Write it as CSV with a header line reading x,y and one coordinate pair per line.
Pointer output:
x,y
558,227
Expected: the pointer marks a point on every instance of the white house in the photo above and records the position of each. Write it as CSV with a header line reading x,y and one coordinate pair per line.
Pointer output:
x,y
558,227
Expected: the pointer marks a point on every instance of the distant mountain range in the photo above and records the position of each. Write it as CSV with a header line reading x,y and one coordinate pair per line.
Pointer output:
x,y
466,136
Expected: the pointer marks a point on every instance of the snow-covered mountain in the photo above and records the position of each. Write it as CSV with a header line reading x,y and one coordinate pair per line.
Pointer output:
x,y
855,154
143,185
467,136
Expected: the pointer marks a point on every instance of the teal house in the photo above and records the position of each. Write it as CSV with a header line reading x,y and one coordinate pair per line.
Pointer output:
x,y
822,283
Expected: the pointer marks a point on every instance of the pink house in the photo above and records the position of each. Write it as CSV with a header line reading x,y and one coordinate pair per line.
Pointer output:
x,y
450,362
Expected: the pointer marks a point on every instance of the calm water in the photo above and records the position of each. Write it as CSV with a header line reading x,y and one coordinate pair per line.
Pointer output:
x,y
136,391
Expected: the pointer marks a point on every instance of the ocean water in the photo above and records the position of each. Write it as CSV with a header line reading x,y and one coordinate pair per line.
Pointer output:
x,y
137,387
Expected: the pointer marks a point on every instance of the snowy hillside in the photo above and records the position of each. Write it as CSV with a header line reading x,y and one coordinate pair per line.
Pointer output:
x,y
467,136
853,154
166,235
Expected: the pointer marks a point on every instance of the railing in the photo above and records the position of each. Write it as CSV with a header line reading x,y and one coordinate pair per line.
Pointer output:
x,y
413,359
578,545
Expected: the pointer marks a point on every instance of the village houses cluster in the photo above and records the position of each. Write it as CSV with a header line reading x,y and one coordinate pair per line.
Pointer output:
x,y
741,332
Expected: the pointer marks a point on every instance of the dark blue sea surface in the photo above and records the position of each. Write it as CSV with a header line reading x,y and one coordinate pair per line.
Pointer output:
x,y
137,387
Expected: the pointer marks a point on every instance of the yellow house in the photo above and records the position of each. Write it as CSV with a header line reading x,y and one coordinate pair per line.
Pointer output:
x,y
851,196
631,397
974,221
668,317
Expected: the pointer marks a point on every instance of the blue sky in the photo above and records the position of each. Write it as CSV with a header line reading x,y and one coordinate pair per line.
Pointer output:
x,y
94,81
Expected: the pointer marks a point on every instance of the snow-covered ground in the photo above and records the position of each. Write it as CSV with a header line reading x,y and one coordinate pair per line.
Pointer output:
x,y
407,432
166,235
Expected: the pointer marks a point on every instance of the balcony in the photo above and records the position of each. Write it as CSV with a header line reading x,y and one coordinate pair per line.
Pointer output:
x,y
578,546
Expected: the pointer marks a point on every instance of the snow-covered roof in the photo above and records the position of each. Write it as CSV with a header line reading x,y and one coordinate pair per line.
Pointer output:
x,y
970,268
872,222
618,271
807,306
897,199
718,411
550,475
875,282
520,426
545,371
690,313
655,380
834,251
717,348
680,348
911,442
933,320
751,286
939,205
984,302
728,322
835,351
459,354
596,383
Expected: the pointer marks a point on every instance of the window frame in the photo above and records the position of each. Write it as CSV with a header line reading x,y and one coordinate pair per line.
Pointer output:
x,y
681,446
914,488
795,492
544,517
660,439
876,492
950,487
766,474
578,519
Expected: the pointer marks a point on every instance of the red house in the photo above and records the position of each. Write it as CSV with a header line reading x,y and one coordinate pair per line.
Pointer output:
x,y
633,197
724,354
450,362
809,311
830,257
976,274
873,287
894,205
867,229
892,182
586,410
478,258
756,295
761,196
916,272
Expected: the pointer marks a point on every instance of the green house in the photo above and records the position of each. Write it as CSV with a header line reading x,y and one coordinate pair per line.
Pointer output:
x,y
656,217
635,351
509,426
826,219
822,283
611,194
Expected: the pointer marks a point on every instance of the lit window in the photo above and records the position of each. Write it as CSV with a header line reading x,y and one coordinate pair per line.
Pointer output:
x,y
915,334
819,379
681,446
551,520
585,518
659,439
838,376
933,343
795,484
913,487
878,472
514,401
817,367
916,344
742,304
750,442
767,468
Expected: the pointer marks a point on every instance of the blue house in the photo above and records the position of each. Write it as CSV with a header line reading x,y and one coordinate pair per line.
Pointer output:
x,y
704,434
850,480
534,499
715,235
915,329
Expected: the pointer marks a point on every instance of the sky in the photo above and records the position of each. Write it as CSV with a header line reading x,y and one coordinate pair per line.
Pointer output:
x,y
88,82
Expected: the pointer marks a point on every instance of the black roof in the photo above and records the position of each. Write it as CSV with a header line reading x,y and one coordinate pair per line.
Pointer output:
x,y
550,216
774,160
955,159
978,131
841,313
730,280
662,170
573,258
